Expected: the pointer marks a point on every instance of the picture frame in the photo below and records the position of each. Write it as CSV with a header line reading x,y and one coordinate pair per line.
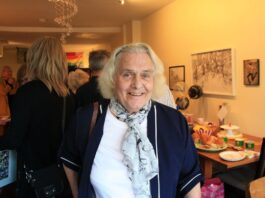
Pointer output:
x,y
177,77
214,71
75,59
8,167
251,72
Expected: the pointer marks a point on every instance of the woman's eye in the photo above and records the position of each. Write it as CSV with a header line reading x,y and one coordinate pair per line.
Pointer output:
x,y
127,75
146,76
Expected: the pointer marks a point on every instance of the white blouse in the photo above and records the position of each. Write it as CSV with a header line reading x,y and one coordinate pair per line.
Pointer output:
x,y
109,175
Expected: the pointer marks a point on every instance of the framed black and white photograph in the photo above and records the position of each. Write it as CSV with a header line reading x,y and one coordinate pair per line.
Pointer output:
x,y
214,71
251,72
8,167
177,78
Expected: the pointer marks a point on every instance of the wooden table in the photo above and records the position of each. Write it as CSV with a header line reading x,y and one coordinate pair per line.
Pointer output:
x,y
207,159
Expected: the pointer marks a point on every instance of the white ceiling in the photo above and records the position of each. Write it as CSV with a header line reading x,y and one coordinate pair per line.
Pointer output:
x,y
22,21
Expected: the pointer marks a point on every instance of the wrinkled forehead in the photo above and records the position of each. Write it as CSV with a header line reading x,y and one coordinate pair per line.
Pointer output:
x,y
133,57
136,68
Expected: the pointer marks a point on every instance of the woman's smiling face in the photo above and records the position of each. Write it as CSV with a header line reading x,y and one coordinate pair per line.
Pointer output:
x,y
134,80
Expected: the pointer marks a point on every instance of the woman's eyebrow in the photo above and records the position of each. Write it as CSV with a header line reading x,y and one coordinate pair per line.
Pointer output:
x,y
148,70
135,71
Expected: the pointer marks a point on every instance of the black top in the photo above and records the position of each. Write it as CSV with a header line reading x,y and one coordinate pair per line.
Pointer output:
x,y
35,130
88,93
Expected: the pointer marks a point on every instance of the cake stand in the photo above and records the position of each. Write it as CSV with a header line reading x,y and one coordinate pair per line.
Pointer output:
x,y
230,131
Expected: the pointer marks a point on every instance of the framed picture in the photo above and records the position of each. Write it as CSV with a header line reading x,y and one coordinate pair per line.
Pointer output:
x,y
214,71
177,78
75,59
8,167
251,72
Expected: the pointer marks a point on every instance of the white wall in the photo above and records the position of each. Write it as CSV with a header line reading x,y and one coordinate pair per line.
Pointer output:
x,y
189,26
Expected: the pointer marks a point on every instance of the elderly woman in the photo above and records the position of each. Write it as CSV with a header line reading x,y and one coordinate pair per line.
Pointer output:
x,y
138,147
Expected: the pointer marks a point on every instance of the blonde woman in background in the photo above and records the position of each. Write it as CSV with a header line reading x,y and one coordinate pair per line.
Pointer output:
x,y
76,79
35,130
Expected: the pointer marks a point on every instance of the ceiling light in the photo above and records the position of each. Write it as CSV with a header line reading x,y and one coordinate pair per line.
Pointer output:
x,y
122,2
65,10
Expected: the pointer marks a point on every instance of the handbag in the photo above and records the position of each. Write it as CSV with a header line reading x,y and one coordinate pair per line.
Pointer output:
x,y
49,182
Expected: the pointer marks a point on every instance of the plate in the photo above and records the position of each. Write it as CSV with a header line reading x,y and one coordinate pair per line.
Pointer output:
x,y
232,156
211,149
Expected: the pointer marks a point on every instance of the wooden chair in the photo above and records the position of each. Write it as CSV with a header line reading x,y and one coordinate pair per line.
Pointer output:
x,y
256,188
241,177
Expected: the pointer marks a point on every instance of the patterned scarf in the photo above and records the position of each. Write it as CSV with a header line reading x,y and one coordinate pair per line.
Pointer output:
x,y
139,155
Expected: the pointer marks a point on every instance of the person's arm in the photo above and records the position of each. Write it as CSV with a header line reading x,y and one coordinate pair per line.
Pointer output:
x,y
195,192
191,175
72,177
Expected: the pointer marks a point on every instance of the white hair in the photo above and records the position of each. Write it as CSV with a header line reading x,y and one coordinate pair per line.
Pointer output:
x,y
106,79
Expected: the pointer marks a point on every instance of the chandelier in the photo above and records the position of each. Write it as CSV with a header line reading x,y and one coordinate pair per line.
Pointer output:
x,y
122,2
65,10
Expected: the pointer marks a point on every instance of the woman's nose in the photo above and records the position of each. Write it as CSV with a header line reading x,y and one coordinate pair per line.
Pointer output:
x,y
137,83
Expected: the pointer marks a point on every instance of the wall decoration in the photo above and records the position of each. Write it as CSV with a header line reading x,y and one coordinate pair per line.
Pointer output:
x,y
214,71
177,77
251,72
75,59
8,164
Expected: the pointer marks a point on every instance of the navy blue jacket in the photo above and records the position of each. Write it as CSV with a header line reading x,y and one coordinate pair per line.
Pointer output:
x,y
179,169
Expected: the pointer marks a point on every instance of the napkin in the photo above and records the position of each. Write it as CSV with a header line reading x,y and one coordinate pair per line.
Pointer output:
x,y
221,114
